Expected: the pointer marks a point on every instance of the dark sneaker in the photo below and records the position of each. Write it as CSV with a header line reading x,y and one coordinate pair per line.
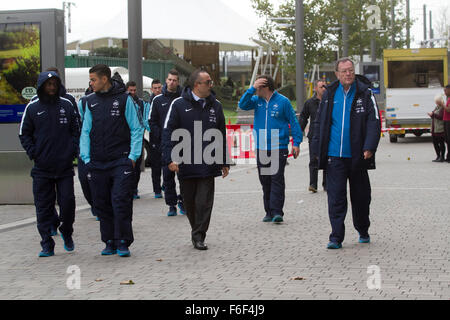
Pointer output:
x,y
122,249
277,219
181,207
110,248
172,212
267,218
364,240
334,245
313,189
158,196
68,243
46,253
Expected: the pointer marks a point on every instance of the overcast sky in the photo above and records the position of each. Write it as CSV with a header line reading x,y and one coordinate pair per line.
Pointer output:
x,y
105,9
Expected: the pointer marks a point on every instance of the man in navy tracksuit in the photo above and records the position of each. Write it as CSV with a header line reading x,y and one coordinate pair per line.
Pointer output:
x,y
62,93
196,118
110,144
273,115
142,106
49,134
159,108
345,139
155,149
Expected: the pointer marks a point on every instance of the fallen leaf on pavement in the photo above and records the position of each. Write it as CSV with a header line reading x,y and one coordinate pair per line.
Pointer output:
x,y
159,260
98,280
128,282
298,278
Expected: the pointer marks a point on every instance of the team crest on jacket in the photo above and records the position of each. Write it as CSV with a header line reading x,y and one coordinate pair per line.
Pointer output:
x,y
115,112
62,116
359,106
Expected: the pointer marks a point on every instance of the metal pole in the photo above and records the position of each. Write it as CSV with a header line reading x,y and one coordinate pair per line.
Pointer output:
x,y
393,23
373,46
344,30
408,26
300,55
135,43
431,31
424,22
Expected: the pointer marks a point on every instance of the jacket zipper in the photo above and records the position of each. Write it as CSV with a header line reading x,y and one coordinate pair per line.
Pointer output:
x,y
343,123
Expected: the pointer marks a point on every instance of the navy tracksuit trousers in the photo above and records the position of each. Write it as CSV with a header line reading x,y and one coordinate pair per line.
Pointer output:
x,y
155,164
84,182
338,171
46,192
272,180
170,187
137,175
111,186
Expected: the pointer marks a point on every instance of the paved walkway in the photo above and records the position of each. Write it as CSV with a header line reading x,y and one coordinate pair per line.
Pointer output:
x,y
249,259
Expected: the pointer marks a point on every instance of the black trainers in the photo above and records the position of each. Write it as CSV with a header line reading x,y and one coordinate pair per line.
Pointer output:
x,y
122,249
110,248
68,243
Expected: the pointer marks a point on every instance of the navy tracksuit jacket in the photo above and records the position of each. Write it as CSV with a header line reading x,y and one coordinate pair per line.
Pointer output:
x,y
196,176
364,134
110,138
159,109
49,134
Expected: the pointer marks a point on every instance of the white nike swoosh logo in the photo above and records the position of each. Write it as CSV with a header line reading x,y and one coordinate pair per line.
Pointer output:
x,y
164,104
127,172
93,105
39,113
187,110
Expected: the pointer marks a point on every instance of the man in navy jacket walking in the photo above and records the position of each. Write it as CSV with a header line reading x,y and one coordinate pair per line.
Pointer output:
x,y
345,139
110,145
159,108
49,134
196,118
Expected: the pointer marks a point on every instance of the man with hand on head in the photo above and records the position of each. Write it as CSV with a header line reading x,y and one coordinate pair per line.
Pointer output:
x,y
273,115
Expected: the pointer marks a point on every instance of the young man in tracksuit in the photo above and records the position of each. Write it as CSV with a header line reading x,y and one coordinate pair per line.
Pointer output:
x,y
345,139
159,108
273,115
155,149
141,105
49,134
197,119
110,144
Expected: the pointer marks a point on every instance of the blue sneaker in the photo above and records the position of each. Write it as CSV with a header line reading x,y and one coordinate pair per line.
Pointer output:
x,y
68,243
181,207
172,212
334,245
45,253
364,240
158,196
136,196
97,218
110,248
122,249
277,219
267,218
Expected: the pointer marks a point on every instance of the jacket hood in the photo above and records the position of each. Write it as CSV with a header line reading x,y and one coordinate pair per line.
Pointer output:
x,y
166,92
43,77
187,94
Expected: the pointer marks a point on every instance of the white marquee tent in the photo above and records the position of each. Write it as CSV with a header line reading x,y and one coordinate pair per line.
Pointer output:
x,y
198,20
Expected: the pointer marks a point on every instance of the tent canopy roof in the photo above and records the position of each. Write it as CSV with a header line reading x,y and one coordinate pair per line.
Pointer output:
x,y
196,20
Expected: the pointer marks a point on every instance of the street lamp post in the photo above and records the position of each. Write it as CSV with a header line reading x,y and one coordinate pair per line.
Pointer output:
x,y
135,43
300,55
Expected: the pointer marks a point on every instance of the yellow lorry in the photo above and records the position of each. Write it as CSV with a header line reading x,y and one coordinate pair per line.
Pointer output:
x,y
412,78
